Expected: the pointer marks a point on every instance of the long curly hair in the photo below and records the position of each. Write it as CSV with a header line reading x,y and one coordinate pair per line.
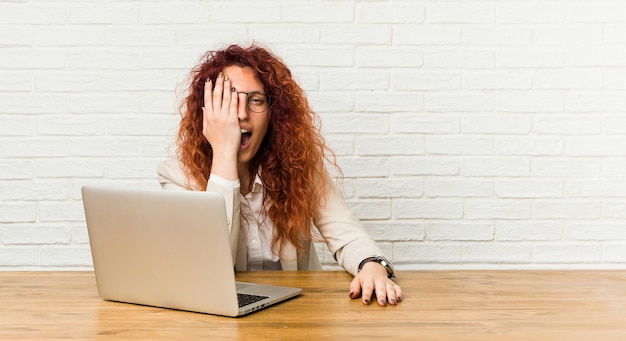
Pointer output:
x,y
291,161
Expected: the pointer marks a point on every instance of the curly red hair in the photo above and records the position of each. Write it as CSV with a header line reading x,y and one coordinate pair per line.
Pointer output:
x,y
291,159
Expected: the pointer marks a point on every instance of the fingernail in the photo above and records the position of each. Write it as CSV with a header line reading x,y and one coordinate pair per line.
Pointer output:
x,y
383,302
208,80
366,301
220,75
233,89
392,301
399,299
225,78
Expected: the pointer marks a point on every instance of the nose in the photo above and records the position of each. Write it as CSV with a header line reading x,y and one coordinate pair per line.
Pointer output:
x,y
242,106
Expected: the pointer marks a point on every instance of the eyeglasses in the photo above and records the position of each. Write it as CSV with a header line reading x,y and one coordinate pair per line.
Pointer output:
x,y
257,101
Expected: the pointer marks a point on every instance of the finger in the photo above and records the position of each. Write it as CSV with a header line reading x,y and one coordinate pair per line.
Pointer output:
x,y
355,288
217,92
381,293
208,89
367,289
391,293
226,95
399,296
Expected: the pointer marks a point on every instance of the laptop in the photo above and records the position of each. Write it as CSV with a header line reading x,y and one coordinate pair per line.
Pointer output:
x,y
169,249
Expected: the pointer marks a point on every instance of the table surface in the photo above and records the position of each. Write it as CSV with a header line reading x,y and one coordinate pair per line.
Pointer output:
x,y
442,305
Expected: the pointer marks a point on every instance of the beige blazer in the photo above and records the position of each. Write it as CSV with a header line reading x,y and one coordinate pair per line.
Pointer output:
x,y
344,235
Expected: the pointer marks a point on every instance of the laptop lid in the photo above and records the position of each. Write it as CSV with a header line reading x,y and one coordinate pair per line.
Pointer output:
x,y
167,249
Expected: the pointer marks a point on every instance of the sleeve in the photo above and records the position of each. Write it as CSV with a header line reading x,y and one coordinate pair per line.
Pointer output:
x,y
345,236
172,177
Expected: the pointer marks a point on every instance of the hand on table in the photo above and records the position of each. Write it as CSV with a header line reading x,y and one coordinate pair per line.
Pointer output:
x,y
372,279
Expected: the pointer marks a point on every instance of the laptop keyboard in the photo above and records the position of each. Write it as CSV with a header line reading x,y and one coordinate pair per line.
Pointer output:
x,y
245,299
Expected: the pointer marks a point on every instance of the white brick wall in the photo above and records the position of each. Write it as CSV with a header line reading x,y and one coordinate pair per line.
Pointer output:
x,y
473,134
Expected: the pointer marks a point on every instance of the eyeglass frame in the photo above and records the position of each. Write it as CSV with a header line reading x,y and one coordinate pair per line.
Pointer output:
x,y
269,98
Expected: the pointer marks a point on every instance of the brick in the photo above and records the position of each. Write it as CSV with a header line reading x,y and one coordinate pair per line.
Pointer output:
x,y
426,80
18,212
497,124
396,231
528,145
34,190
21,81
285,33
459,102
69,82
16,36
389,188
530,57
62,255
460,187
497,35
497,209
355,123
459,144
568,35
34,147
221,35
613,252
354,79
496,252
331,101
19,256
495,166
567,125
427,209
68,35
69,168
371,209
175,13
313,56
16,169
375,101
497,80
156,80
569,79
530,102
341,145
523,188
595,188
427,252
26,234
614,168
614,210
567,253
140,35
591,12
565,167
539,13
427,34
596,56
14,125
355,34
384,56
105,147
31,14
70,125
595,146
305,12
614,33
394,145
383,13
528,230
568,209
364,167
586,231
106,13
30,59
460,13
469,58
424,166
459,231
106,103
101,59
61,211
132,169
425,123
594,102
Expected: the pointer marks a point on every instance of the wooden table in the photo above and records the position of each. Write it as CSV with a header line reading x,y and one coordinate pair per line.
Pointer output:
x,y
442,305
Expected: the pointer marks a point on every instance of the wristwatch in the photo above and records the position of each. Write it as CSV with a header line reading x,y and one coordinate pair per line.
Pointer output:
x,y
382,261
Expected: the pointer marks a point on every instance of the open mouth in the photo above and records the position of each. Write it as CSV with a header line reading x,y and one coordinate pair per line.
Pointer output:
x,y
245,138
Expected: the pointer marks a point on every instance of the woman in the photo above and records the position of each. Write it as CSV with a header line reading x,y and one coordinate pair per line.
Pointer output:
x,y
247,132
